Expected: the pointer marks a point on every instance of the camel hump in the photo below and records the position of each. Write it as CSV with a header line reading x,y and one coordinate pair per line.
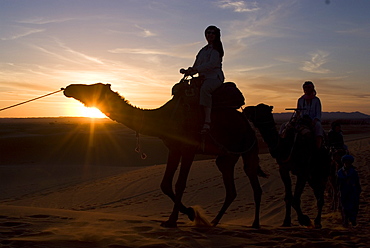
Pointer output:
x,y
228,95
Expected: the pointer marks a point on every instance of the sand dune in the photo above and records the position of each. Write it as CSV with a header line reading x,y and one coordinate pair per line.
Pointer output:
x,y
120,207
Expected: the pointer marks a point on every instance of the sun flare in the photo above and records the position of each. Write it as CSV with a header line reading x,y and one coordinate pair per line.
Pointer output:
x,y
92,113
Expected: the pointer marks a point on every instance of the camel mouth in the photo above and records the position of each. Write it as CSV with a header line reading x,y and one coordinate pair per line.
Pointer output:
x,y
68,91
90,95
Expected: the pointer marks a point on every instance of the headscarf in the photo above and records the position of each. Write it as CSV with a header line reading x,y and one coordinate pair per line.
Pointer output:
x,y
311,96
217,44
348,158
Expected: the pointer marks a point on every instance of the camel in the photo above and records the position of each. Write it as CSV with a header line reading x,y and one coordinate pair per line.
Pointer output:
x,y
333,188
177,123
295,153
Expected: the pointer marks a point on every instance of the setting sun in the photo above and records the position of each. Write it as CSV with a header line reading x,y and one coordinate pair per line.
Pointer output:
x,y
92,113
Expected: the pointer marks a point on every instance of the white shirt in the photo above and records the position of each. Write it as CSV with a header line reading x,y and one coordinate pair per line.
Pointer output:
x,y
208,63
311,108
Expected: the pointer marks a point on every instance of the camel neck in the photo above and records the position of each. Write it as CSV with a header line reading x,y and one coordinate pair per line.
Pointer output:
x,y
151,122
121,111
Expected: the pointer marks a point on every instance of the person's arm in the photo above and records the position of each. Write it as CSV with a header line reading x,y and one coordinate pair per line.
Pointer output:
x,y
299,106
196,62
214,62
192,70
317,110
340,178
357,182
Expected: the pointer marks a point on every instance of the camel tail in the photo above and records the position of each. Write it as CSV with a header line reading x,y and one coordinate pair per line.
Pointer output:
x,y
200,219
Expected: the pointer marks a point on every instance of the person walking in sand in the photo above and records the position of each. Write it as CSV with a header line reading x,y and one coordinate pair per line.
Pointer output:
x,y
208,64
350,189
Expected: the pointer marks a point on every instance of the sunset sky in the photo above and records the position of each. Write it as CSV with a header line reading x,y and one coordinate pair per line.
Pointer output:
x,y
138,46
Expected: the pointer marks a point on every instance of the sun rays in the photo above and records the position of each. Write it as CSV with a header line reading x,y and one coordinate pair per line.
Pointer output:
x,y
91,112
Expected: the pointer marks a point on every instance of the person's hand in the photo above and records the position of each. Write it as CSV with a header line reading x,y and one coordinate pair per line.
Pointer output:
x,y
191,71
185,72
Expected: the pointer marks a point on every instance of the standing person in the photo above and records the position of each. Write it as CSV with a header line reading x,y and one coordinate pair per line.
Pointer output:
x,y
208,64
350,189
335,136
310,105
336,142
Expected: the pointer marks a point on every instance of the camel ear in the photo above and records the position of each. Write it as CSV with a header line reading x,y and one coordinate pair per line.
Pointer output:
x,y
108,85
271,107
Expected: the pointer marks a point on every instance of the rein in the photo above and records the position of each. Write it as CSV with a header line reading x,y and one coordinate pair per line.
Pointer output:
x,y
138,145
61,89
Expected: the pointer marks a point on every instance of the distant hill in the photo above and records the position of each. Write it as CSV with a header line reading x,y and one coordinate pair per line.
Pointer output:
x,y
344,115
327,116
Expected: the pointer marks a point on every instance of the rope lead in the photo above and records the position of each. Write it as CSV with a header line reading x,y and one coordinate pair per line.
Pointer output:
x,y
61,89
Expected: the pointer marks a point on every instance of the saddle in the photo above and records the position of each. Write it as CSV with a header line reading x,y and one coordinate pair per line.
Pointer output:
x,y
188,114
225,96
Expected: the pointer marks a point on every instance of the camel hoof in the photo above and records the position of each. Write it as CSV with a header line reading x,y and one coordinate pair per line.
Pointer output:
x,y
214,223
190,213
169,224
256,226
304,220
287,223
318,225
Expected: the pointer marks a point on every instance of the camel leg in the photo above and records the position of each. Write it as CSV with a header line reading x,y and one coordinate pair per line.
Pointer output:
x,y
167,181
318,184
332,187
319,194
251,166
303,219
336,197
285,177
319,180
186,162
226,165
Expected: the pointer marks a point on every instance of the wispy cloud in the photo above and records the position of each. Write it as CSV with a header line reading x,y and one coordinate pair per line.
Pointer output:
x,y
15,86
316,62
145,32
42,20
23,34
259,25
68,54
238,6
142,51
175,51
251,68
355,31
81,55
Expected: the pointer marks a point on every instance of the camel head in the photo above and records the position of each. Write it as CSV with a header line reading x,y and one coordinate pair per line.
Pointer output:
x,y
262,118
91,95
259,114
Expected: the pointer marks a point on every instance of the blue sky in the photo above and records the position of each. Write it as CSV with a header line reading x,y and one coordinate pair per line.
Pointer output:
x,y
138,46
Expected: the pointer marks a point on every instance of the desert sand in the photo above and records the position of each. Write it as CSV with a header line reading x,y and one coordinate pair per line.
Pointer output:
x,y
60,186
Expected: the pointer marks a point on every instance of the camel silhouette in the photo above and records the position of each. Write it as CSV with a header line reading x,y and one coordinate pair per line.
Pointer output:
x,y
178,124
295,153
